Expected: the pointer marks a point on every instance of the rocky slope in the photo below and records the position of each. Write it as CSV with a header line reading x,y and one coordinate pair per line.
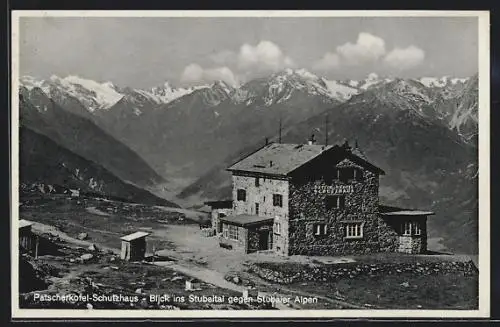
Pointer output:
x,y
46,167
81,136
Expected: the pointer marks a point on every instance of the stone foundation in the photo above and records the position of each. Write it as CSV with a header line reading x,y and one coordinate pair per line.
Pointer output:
x,y
412,244
290,273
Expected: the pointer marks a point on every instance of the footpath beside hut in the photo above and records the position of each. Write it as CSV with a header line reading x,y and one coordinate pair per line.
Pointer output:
x,y
26,237
133,246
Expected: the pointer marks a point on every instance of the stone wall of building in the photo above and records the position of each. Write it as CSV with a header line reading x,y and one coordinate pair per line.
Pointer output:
x,y
307,207
388,230
412,244
263,195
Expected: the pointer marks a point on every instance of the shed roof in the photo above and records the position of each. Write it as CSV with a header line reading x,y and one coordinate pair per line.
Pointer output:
x,y
134,236
221,204
246,220
282,159
397,211
408,213
25,223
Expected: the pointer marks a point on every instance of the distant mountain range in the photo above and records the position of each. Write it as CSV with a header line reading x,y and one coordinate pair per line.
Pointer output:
x,y
423,132
65,150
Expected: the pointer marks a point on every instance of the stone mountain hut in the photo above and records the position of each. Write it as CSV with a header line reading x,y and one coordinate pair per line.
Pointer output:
x,y
134,246
308,199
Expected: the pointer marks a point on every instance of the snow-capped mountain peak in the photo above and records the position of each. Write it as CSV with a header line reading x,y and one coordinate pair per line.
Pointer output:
x,y
92,94
221,85
312,84
340,91
97,96
166,93
441,81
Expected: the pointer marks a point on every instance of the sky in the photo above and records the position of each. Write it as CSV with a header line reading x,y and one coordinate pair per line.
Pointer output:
x,y
143,52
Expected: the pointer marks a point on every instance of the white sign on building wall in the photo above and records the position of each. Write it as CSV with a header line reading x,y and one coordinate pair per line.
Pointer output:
x,y
333,189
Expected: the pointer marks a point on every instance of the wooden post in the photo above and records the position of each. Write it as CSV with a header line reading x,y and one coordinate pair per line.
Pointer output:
x,y
326,130
279,133
154,252
36,247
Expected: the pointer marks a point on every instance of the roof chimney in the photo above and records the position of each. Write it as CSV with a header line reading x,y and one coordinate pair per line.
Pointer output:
x,y
346,145
267,140
270,163
312,140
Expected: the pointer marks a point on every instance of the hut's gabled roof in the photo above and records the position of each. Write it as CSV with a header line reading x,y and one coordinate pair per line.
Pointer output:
x,y
279,158
282,159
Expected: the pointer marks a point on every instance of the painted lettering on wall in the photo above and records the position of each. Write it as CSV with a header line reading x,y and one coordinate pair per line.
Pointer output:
x,y
333,189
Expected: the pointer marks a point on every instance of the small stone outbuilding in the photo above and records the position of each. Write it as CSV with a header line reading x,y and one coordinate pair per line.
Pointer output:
x,y
219,209
134,246
247,233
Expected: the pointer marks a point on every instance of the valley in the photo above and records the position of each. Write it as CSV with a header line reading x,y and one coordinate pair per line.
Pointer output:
x,y
422,131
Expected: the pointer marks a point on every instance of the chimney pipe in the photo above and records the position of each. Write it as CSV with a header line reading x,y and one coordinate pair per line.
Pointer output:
x,y
311,140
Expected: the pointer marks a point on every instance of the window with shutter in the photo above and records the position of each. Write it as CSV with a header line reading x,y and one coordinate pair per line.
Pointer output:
x,y
241,195
334,202
320,229
277,200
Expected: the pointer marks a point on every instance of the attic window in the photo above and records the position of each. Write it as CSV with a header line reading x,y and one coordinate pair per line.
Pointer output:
x,y
259,166
350,173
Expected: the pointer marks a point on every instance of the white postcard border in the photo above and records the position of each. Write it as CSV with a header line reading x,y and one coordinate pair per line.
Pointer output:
x,y
484,174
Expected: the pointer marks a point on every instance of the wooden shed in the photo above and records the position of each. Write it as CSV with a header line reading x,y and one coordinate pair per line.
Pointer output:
x,y
134,246
26,237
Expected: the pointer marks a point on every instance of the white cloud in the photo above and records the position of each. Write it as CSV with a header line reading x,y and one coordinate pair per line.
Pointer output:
x,y
368,48
405,58
328,62
264,56
194,73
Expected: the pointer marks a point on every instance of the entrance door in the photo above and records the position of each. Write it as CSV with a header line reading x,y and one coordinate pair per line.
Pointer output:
x,y
125,253
219,223
264,240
